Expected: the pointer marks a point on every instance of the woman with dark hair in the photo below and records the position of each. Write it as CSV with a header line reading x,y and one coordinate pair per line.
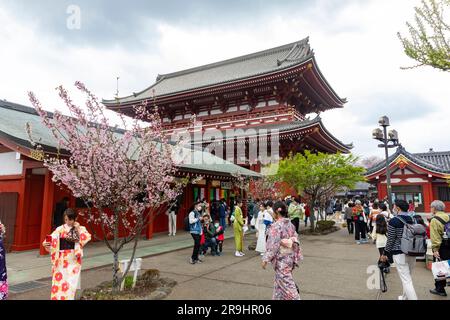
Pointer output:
x,y
238,225
66,245
283,252
379,235
3,275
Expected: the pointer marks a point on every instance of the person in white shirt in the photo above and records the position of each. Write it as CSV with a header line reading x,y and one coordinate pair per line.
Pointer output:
x,y
261,230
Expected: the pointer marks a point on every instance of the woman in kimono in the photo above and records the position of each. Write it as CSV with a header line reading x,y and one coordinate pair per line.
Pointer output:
x,y
284,253
66,249
261,229
3,276
238,225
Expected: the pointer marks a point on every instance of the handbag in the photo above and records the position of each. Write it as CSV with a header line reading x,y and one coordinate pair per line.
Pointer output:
x,y
72,236
253,222
441,270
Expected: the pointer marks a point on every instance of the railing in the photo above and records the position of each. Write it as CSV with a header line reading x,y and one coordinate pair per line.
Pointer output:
x,y
233,118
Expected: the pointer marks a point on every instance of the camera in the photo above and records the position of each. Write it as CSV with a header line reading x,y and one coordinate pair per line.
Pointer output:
x,y
384,266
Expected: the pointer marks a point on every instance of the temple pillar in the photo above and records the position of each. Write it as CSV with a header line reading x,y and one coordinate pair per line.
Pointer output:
x,y
47,209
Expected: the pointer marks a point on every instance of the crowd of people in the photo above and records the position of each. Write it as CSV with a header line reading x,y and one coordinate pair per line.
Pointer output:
x,y
276,224
400,236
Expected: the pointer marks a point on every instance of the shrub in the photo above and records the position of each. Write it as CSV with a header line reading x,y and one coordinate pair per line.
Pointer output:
x,y
128,282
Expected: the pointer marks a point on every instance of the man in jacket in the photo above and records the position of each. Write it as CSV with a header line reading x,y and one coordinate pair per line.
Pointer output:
x,y
440,249
405,264
196,230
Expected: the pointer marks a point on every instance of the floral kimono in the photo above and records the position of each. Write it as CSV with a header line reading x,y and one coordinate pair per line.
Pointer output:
x,y
3,277
66,264
283,259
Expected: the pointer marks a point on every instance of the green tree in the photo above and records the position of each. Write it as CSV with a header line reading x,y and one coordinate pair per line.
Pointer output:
x,y
429,41
318,176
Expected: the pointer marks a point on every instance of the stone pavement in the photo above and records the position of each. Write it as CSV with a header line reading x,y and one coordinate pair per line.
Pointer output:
x,y
334,268
30,266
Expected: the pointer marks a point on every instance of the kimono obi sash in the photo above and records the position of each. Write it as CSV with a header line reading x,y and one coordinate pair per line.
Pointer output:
x,y
286,251
66,245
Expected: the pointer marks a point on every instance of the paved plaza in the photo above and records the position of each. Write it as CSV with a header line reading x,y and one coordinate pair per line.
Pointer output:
x,y
334,268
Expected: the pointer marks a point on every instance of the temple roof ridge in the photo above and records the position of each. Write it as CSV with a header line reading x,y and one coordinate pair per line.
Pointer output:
x,y
442,166
292,45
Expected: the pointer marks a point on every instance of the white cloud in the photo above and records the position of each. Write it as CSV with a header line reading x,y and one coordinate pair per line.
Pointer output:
x,y
355,43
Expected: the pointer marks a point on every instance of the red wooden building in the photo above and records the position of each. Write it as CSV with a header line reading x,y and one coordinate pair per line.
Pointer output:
x,y
246,100
28,195
420,177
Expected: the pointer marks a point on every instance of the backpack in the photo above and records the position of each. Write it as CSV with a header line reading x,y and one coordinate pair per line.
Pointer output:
x,y
446,236
187,225
414,239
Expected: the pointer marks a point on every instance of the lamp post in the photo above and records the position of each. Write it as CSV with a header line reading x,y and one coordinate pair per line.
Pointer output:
x,y
388,140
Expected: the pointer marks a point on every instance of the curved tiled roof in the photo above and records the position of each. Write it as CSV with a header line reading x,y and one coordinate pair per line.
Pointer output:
x,y
239,68
286,127
442,159
14,118
434,161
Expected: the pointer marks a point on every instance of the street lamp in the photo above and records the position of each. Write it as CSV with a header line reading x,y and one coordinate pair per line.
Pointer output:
x,y
388,140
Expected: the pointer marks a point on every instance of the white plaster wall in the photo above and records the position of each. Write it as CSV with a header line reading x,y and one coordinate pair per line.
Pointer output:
x,y
9,165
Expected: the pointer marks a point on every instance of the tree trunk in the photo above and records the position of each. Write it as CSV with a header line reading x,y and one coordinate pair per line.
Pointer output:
x,y
312,217
116,280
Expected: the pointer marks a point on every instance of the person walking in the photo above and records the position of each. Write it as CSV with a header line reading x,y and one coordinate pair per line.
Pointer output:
x,y
440,242
338,211
294,212
196,231
255,212
283,252
307,214
3,271
374,212
384,211
238,225
172,215
404,263
349,218
66,249
223,214
261,229
360,223
379,235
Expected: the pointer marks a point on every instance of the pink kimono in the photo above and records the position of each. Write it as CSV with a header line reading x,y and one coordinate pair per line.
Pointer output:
x,y
283,259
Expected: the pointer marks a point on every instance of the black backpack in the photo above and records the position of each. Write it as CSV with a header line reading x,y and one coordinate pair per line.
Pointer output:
x,y
187,225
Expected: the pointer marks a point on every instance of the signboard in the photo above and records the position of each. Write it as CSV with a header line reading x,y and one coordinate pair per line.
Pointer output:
x,y
215,183
201,182
227,185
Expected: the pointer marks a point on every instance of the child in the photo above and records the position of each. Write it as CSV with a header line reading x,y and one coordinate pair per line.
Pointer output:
x,y
379,235
220,236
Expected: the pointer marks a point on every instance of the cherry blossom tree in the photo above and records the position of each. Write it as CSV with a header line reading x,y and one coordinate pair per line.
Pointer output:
x,y
264,188
125,177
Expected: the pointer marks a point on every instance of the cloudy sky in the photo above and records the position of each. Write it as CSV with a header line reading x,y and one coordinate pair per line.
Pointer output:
x,y
355,43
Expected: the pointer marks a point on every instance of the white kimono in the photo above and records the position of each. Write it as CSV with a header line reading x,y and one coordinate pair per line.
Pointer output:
x,y
261,227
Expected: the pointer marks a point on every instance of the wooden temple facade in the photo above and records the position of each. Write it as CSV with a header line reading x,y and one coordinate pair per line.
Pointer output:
x,y
28,195
420,177
246,102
